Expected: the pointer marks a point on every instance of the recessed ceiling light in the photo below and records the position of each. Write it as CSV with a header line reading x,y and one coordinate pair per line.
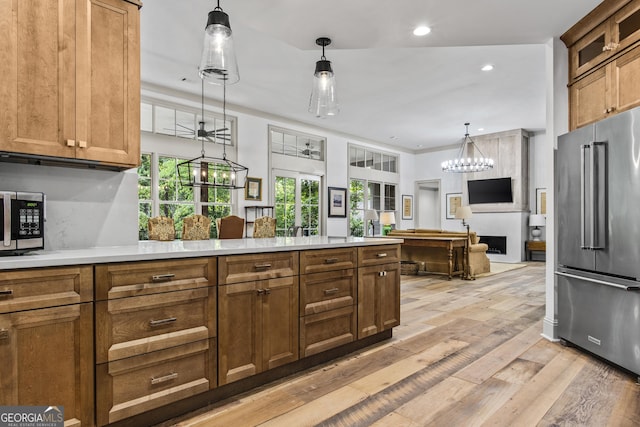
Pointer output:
x,y
480,129
487,67
421,30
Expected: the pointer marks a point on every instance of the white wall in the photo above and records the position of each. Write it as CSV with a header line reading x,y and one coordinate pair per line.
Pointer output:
x,y
85,208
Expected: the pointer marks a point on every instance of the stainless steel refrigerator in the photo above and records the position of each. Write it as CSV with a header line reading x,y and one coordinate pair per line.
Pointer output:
x,y
598,243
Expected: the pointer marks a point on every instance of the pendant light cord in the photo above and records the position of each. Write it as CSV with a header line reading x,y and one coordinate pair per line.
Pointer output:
x,y
202,118
224,117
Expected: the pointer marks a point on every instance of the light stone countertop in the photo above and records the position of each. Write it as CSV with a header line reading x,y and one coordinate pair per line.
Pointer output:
x,y
155,250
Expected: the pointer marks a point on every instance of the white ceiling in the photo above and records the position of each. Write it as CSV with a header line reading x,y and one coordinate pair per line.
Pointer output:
x,y
393,87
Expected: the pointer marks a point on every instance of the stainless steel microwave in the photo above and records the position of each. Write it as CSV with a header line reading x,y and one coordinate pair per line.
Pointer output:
x,y
22,217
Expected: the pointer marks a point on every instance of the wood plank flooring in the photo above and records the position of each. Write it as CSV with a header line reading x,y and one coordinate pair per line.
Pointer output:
x,y
467,353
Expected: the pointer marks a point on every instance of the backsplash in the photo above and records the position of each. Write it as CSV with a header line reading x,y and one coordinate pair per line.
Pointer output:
x,y
85,208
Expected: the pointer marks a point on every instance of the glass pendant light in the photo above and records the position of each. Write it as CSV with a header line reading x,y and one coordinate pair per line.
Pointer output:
x,y
464,162
218,64
323,100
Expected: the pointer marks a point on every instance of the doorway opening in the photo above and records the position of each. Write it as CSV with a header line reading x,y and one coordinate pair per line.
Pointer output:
x,y
427,205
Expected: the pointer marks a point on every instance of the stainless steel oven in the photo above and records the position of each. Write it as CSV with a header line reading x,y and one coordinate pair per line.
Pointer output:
x,y
22,216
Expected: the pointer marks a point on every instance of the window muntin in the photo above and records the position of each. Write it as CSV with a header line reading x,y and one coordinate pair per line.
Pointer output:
x,y
362,157
162,195
296,144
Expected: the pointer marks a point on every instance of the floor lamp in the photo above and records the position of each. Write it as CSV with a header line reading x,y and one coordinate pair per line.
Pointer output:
x,y
464,213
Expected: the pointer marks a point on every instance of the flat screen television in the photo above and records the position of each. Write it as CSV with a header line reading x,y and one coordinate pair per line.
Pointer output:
x,y
496,190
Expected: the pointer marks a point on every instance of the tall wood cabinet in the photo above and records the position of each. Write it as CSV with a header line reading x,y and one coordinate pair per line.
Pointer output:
x,y
604,62
378,289
258,313
46,340
70,79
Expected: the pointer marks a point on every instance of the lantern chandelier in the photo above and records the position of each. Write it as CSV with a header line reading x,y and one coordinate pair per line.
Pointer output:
x,y
209,172
464,162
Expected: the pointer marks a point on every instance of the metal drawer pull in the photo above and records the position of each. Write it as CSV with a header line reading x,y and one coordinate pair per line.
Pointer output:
x,y
331,260
171,376
382,273
6,292
381,255
331,291
4,334
162,277
262,266
162,321
267,291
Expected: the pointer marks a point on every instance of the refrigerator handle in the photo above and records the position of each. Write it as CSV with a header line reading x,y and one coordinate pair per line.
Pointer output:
x,y
7,218
600,282
583,188
598,201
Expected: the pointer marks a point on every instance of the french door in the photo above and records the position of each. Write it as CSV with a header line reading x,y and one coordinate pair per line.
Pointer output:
x,y
297,203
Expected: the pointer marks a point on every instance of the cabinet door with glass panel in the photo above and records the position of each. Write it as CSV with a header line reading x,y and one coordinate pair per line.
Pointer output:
x,y
297,204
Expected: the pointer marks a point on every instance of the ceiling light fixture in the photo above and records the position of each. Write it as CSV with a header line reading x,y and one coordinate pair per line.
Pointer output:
x,y
218,64
464,162
421,30
208,172
487,67
323,101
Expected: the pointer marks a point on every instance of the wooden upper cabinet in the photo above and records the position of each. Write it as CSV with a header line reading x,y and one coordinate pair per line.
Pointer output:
x,y
607,31
604,64
70,79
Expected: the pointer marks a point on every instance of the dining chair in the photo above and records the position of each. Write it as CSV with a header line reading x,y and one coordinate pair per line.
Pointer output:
x,y
161,228
264,226
231,227
196,227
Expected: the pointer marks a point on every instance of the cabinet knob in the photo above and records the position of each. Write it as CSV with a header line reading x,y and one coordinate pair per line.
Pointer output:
x,y
4,334
71,143
82,144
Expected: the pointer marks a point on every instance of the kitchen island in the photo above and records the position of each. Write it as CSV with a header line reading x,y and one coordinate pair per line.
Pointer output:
x,y
153,330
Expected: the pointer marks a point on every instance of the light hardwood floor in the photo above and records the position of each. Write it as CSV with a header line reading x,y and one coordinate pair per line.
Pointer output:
x,y
467,353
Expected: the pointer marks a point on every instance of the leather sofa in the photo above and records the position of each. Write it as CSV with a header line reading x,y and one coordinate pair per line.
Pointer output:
x,y
436,260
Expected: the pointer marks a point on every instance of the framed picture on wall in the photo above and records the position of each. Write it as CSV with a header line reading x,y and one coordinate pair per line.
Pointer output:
x,y
407,206
454,201
253,189
541,201
337,202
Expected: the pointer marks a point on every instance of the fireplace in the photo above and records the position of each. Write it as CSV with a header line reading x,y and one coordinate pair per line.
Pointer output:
x,y
497,244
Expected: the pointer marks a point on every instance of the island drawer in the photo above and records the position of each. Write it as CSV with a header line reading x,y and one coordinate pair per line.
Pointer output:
x,y
132,326
376,255
247,268
138,384
119,280
326,291
44,287
315,261
330,329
